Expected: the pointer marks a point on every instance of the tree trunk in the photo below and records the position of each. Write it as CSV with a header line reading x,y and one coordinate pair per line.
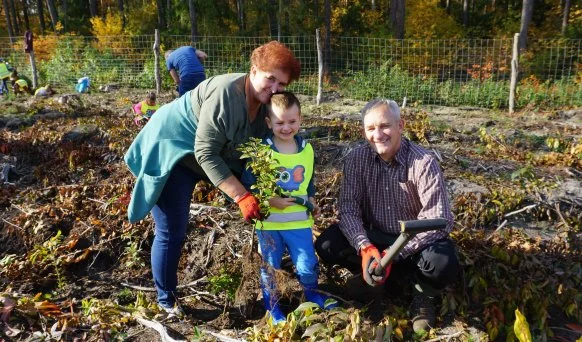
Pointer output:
x,y
272,14
373,5
397,12
316,8
14,16
161,14
465,13
8,22
53,13
93,8
40,9
565,15
25,14
193,23
122,12
327,41
64,14
168,13
526,13
240,15
279,15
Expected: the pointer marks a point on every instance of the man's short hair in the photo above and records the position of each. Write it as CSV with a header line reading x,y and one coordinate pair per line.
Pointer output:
x,y
284,100
390,105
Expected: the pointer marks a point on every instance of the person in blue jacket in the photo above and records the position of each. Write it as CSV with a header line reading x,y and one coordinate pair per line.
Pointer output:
x,y
288,226
185,67
193,138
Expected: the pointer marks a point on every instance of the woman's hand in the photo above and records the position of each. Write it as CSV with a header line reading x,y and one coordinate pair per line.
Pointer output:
x,y
280,202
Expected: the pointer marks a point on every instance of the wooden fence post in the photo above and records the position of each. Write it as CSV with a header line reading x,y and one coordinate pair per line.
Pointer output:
x,y
33,67
514,72
320,64
157,76
29,49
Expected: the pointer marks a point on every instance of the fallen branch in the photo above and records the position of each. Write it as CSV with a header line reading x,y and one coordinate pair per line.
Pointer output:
x,y
159,327
335,296
12,224
496,230
445,337
19,208
153,289
520,210
220,337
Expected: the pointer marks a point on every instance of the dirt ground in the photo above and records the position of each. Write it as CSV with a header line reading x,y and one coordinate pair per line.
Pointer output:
x,y
62,171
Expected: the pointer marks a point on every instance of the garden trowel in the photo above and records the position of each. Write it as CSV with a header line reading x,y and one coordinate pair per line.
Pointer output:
x,y
408,229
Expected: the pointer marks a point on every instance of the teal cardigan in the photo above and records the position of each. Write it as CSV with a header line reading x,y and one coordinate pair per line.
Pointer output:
x,y
207,123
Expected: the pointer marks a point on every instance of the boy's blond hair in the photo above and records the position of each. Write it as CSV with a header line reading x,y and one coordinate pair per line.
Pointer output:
x,y
284,100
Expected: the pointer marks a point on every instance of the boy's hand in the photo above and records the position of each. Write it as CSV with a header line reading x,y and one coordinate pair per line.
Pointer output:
x,y
316,210
280,202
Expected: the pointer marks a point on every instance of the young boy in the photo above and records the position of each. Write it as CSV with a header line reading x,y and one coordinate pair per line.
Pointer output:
x,y
145,109
289,224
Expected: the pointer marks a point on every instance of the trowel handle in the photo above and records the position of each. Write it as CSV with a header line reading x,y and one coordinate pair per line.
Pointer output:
x,y
408,229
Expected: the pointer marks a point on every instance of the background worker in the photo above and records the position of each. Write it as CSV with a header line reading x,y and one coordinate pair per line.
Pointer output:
x,y
185,67
145,109
5,71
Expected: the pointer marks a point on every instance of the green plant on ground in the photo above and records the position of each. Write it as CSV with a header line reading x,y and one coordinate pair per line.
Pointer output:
x,y
225,282
48,254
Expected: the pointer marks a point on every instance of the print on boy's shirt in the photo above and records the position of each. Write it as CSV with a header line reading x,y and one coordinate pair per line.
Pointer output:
x,y
290,179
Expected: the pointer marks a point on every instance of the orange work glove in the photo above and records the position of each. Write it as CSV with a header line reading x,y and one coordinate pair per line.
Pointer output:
x,y
249,207
370,260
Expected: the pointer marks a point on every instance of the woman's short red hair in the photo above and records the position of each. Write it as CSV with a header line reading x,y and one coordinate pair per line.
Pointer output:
x,y
274,55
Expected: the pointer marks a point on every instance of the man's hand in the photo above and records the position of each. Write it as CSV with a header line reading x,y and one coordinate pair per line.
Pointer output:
x,y
370,260
249,207
201,55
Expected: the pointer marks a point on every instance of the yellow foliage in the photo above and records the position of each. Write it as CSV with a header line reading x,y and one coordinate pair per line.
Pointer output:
x,y
108,32
521,327
111,26
44,47
426,20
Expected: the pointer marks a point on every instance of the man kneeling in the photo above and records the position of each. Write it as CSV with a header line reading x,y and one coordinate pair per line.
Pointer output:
x,y
388,180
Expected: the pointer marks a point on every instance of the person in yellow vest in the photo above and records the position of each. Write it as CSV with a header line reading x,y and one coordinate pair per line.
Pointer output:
x,y
5,71
291,216
19,85
44,91
145,109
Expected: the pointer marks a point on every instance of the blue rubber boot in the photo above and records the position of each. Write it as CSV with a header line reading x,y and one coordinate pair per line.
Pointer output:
x,y
324,302
272,306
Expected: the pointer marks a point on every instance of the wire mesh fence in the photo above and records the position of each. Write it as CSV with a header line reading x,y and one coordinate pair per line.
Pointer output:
x,y
470,72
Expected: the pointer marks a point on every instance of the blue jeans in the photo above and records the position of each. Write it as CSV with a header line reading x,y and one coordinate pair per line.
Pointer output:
x,y
190,82
299,242
171,214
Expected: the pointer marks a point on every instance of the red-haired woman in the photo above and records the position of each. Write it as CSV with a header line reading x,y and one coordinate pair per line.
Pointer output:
x,y
195,138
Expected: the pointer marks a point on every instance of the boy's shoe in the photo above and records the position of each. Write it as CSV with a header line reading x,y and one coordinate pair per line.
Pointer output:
x,y
276,315
174,312
324,302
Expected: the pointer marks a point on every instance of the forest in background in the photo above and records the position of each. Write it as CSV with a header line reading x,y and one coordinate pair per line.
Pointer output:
x,y
432,19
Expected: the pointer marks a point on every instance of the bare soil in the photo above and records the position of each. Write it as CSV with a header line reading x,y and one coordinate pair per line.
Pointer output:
x,y
64,172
